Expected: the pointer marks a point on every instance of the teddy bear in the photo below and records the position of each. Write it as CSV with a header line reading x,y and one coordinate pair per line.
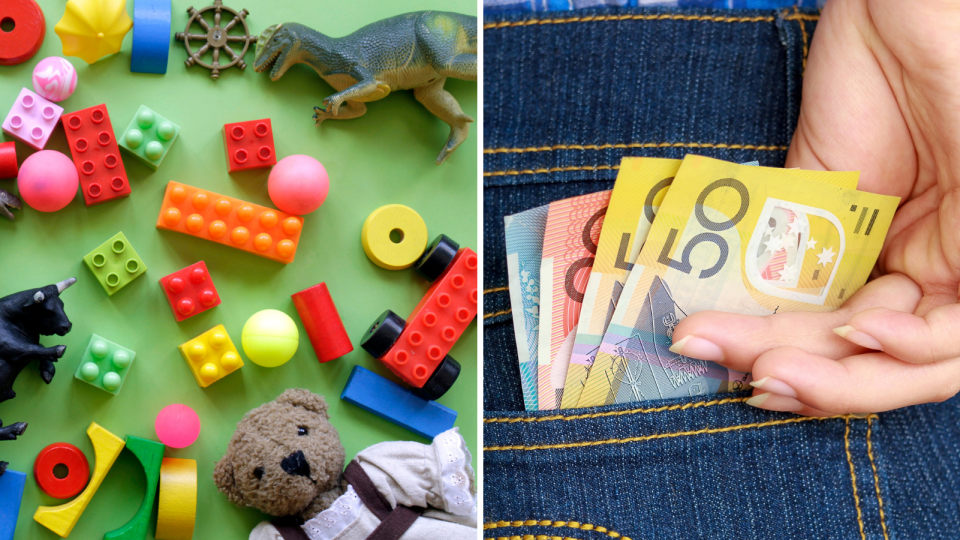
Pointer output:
x,y
285,459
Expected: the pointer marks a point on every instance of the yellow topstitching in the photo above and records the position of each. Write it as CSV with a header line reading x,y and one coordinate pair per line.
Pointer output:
x,y
853,477
678,407
557,524
876,480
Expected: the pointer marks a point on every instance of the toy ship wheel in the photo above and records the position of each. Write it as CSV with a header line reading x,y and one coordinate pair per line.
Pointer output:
x,y
217,38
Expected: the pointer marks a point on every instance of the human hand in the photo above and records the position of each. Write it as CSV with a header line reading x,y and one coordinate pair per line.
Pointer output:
x,y
881,95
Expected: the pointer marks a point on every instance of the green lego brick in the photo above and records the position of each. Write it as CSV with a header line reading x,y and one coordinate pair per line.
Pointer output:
x,y
105,364
115,263
150,454
149,137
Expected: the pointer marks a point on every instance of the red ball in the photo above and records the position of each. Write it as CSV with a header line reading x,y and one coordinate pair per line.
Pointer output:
x,y
298,184
48,181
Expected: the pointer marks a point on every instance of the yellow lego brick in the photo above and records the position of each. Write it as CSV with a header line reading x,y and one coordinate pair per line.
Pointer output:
x,y
61,519
211,356
177,508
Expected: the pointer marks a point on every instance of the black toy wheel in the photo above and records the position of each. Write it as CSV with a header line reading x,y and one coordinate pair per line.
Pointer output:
x,y
442,379
437,257
382,334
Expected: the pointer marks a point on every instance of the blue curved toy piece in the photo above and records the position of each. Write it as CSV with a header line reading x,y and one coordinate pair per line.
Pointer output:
x,y
151,36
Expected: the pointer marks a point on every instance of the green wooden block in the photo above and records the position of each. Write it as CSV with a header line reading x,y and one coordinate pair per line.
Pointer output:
x,y
105,364
150,454
115,263
149,137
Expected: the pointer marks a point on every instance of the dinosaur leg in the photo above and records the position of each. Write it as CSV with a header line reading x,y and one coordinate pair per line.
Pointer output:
x,y
445,106
460,66
353,109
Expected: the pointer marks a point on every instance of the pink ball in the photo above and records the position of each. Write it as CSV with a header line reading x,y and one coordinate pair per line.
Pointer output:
x,y
298,184
178,426
54,78
48,181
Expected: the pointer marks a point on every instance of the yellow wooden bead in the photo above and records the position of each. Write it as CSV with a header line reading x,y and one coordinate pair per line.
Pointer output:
x,y
409,234
61,519
177,511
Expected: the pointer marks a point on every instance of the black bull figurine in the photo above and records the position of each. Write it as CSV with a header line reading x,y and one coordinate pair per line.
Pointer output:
x,y
24,317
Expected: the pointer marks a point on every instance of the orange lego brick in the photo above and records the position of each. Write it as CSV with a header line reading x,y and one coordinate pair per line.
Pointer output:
x,y
253,228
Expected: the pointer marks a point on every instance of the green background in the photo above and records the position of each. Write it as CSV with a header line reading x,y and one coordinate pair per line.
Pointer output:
x,y
387,156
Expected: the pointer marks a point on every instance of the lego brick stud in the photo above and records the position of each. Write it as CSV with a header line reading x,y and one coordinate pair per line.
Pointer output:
x,y
149,137
105,364
211,356
393,236
115,263
249,145
31,119
190,291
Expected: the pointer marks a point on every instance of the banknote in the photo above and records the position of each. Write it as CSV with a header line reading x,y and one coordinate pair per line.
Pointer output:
x,y
569,247
524,235
740,239
641,185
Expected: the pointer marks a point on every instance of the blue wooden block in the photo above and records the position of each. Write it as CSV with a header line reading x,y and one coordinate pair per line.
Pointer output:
x,y
390,401
151,36
11,493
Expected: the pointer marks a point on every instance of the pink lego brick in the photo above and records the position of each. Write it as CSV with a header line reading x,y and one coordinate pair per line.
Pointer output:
x,y
32,119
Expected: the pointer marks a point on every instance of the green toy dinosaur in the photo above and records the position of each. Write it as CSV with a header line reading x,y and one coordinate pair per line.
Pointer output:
x,y
413,51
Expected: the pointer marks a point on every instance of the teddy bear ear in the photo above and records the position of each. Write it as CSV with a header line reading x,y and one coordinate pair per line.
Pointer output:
x,y
226,483
306,399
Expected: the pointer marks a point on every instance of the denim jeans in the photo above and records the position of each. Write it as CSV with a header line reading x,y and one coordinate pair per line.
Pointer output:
x,y
567,95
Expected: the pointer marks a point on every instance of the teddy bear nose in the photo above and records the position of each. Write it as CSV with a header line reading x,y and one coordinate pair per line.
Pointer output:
x,y
296,464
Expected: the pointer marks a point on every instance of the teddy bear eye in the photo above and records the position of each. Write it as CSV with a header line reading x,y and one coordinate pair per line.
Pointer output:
x,y
302,431
258,472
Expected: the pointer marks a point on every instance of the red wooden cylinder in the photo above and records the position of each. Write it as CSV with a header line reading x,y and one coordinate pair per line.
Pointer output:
x,y
322,322
8,160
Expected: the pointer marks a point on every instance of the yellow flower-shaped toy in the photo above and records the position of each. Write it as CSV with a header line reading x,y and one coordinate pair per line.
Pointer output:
x,y
92,29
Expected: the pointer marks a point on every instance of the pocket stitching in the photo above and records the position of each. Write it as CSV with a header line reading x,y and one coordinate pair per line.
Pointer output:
x,y
677,407
704,431
549,523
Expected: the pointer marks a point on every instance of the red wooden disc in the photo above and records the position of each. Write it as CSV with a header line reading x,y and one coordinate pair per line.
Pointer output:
x,y
20,44
78,470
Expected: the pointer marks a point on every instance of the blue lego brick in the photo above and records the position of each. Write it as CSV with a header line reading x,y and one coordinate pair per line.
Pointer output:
x,y
151,36
392,402
11,493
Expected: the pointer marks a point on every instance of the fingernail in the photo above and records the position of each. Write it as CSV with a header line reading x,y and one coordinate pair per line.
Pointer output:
x,y
862,339
773,402
696,347
776,386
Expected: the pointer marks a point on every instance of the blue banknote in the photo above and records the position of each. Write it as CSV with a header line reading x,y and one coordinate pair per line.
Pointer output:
x,y
524,234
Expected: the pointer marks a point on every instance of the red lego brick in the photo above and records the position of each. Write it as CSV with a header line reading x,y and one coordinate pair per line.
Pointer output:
x,y
249,145
437,322
322,323
190,291
96,155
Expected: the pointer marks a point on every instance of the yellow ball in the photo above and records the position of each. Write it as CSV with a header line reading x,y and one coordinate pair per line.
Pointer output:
x,y
270,338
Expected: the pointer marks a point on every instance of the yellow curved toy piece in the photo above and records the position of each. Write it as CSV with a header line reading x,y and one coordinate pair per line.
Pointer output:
x,y
61,519
381,92
92,29
177,512
409,236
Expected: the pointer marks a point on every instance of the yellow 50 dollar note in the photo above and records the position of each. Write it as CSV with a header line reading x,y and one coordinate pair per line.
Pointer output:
x,y
739,239
641,185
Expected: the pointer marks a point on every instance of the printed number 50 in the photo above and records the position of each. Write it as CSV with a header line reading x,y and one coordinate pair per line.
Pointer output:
x,y
684,264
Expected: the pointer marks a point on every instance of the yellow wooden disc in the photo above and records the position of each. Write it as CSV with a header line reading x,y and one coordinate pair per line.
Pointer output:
x,y
177,511
409,232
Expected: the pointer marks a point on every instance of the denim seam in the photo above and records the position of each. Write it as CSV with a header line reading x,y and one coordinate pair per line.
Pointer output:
x,y
557,524
797,16
630,17
496,289
532,537
624,146
853,477
678,407
704,431
876,480
490,315
553,170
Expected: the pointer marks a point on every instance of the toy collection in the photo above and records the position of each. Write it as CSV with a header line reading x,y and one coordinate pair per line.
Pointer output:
x,y
285,458
414,51
297,473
